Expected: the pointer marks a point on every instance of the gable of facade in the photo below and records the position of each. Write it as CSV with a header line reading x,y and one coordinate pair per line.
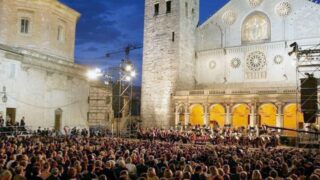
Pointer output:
x,y
247,41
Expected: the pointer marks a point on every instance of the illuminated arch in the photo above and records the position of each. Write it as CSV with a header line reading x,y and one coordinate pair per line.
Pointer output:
x,y
217,115
256,28
268,114
196,115
292,117
240,116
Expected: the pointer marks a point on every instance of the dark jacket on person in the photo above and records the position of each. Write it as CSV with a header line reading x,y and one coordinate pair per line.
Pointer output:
x,y
110,174
141,168
197,176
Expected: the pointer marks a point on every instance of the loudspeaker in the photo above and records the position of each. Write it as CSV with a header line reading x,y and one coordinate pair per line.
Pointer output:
x,y
309,102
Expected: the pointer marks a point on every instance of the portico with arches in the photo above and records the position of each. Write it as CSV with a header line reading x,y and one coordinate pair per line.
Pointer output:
x,y
250,112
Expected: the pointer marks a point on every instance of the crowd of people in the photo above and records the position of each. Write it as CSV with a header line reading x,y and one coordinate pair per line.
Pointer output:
x,y
203,135
196,153
85,158
10,127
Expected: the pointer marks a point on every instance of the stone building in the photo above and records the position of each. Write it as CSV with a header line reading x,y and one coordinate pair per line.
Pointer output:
x,y
43,84
233,69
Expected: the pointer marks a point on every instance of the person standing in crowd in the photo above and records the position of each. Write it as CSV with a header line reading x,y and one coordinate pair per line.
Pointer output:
x,y
22,122
1,121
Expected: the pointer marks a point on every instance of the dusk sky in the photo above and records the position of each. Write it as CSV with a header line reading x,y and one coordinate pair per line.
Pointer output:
x,y
107,25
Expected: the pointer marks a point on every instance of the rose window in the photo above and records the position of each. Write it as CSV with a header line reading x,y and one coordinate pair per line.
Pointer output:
x,y
235,63
212,64
229,17
256,61
283,9
255,3
278,59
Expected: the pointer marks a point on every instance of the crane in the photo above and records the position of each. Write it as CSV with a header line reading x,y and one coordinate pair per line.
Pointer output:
x,y
126,50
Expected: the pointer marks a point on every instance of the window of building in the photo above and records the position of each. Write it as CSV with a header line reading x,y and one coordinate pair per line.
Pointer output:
x,y
24,26
172,37
60,35
156,9
186,9
256,28
168,3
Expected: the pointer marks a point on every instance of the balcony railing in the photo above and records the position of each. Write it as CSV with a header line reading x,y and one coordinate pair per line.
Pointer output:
x,y
216,92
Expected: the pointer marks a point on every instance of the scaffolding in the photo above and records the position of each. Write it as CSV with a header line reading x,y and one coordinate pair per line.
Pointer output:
x,y
307,65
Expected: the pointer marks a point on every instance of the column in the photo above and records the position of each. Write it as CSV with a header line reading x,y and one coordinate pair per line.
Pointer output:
x,y
186,115
228,115
252,115
177,114
279,119
205,115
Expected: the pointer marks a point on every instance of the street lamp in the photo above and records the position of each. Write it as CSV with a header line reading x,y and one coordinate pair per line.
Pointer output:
x,y
4,92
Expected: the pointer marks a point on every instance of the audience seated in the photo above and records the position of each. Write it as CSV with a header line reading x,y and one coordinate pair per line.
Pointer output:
x,y
82,158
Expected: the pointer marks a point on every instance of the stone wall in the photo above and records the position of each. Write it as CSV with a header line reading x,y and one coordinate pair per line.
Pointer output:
x,y
38,85
44,17
167,58
160,56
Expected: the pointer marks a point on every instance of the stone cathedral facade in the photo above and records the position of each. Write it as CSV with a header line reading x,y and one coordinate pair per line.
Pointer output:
x,y
37,69
232,70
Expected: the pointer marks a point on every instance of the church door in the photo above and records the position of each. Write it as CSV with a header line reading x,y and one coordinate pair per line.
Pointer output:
x,y
57,119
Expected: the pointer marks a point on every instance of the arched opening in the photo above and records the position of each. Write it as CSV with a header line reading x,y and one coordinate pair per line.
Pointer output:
x,y
196,115
240,116
217,116
292,119
256,28
57,119
181,115
268,115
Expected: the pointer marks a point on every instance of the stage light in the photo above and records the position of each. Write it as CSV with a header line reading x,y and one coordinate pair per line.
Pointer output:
x,y
133,74
128,67
294,50
128,78
94,74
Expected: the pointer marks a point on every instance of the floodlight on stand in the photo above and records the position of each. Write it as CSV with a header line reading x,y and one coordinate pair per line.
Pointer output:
x,y
94,74
128,67
128,78
133,74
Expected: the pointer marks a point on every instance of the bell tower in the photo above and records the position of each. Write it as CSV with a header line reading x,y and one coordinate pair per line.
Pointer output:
x,y
168,57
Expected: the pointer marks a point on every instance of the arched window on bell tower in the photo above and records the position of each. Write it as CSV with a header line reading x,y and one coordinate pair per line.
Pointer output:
x,y
256,28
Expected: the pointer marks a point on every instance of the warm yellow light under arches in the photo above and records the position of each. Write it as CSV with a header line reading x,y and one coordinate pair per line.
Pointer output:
x,y
291,119
181,119
217,114
240,116
268,115
196,115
